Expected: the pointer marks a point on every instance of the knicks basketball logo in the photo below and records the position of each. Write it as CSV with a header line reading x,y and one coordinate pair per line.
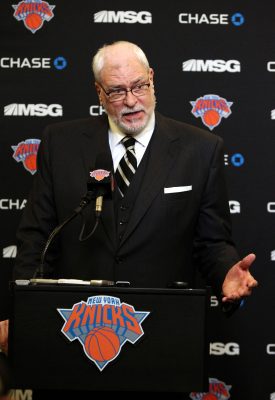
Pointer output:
x,y
33,13
218,390
26,152
99,174
211,109
102,325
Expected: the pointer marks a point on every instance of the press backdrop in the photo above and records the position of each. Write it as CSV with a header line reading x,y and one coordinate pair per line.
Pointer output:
x,y
214,66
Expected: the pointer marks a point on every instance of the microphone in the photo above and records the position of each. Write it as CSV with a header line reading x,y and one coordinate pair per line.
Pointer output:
x,y
101,181
99,184
85,201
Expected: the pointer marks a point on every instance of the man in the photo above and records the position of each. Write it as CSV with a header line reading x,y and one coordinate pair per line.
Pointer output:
x,y
173,214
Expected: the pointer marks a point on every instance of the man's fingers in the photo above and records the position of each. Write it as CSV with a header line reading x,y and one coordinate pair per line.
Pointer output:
x,y
253,283
243,291
247,261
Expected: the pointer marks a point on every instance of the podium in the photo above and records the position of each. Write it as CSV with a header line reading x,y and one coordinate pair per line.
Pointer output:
x,y
162,334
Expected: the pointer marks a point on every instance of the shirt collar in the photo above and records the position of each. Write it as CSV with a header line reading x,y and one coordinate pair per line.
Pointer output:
x,y
115,134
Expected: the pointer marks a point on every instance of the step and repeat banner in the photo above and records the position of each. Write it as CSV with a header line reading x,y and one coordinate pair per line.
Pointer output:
x,y
214,66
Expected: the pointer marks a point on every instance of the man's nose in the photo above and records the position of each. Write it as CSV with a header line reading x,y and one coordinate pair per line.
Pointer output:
x,y
130,99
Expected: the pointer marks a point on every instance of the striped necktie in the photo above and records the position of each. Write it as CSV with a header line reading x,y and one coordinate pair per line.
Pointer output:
x,y
127,165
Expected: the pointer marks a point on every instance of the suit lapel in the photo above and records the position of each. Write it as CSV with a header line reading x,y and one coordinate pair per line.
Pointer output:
x,y
163,151
95,141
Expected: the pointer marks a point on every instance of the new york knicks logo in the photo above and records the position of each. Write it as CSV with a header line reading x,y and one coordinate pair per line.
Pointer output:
x,y
99,174
211,109
26,152
33,13
218,390
102,325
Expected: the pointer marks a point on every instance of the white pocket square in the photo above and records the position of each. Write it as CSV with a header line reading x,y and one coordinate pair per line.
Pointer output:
x,y
177,189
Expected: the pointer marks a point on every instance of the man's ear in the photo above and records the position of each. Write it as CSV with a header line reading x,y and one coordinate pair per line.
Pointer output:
x,y
98,89
151,76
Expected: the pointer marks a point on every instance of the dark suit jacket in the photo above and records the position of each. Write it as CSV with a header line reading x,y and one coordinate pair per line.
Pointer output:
x,y
167,233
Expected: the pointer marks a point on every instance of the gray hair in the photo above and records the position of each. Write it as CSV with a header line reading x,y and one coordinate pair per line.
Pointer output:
x,y
99,58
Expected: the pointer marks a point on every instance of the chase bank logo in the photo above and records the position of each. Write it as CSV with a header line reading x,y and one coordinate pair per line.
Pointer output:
x,y
96,110
270,349
33,63
236,159
237,19
271,207
234,207
12,204
123,17
60,62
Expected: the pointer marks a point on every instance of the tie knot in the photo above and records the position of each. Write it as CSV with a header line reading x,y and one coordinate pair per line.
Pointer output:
x,y
129,142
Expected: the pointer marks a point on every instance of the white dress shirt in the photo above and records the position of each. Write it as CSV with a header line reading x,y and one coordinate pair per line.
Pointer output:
x,y
142,141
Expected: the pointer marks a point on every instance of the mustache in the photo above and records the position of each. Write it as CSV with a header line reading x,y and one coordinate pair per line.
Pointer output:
x,y
127,110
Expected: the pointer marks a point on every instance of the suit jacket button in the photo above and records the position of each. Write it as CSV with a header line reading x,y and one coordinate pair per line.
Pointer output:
x,y
119,260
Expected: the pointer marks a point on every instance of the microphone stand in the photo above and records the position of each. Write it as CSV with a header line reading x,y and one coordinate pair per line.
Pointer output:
x,y
84,202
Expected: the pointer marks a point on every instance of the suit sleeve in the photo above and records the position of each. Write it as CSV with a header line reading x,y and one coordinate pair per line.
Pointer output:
x,y
214,249
39,217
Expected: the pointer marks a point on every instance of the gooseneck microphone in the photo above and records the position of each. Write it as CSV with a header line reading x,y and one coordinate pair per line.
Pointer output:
x,y
39,272
101,181
100,184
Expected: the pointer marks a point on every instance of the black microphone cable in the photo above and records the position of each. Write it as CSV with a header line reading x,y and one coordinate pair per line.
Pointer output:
x,y
98,209
39,272
81,238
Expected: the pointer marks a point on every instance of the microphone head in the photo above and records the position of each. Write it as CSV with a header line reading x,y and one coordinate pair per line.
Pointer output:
x,y
101,181
99,174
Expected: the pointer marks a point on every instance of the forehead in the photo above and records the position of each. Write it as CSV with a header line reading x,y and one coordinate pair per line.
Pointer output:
x,y
122,69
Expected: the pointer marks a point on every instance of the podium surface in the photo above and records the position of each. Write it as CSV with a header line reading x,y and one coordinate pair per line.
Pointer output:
x,y
166,351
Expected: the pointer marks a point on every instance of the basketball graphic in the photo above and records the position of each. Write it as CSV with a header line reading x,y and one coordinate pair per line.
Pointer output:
x,y
102,344
211,108
30,162
33,13
86,322
33,21
26,152
217,390
211,118
209,396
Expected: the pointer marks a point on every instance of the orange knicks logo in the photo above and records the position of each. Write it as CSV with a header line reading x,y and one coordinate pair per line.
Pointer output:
x,y
99,174
26,152
211,108
102,325
33,13
218,390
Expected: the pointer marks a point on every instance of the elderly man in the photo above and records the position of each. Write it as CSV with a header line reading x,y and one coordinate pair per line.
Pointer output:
x,y
168,213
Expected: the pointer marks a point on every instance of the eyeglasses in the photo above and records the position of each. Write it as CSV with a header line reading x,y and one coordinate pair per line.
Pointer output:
x,y
120,93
